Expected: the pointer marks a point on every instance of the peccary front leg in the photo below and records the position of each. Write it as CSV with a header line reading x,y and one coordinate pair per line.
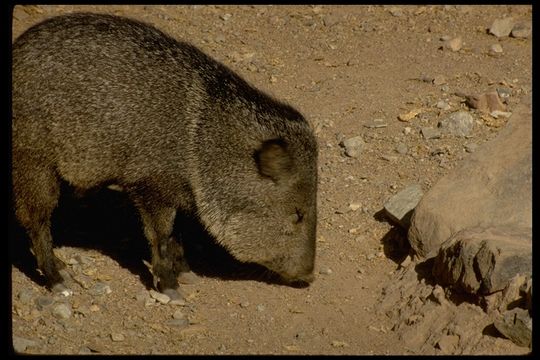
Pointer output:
x,y
167,254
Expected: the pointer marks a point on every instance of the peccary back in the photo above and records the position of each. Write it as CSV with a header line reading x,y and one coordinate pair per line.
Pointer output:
x,y
101,100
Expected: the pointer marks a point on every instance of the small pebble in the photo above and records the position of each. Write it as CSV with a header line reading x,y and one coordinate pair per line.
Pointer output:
x,y
44,301
184,322
225,17
439,80
260,307
244,304
496,48
337,343
21,344
402,149
61,311
26,295
162,298
430,133
470,147
454,44
354,206
117,337
443,105
179,315
100,288
325,270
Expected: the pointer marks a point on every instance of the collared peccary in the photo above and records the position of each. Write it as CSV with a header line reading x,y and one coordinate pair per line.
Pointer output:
x,y
104,100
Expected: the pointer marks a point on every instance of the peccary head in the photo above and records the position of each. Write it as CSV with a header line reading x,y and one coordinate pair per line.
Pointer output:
x,y
257,185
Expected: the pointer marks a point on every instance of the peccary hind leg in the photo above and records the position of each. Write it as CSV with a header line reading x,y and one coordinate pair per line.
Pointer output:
x,y
167,254
36,191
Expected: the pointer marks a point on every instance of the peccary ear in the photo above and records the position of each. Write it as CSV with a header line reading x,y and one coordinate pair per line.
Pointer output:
x,y
273,159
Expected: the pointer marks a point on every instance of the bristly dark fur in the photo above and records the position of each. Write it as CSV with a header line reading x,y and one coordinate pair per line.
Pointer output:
x,y
101,99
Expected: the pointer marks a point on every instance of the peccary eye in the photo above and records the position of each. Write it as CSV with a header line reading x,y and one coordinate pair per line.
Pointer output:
x,y
299,216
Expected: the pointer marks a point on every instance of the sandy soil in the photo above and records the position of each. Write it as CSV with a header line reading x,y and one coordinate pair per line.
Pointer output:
x,y
343,67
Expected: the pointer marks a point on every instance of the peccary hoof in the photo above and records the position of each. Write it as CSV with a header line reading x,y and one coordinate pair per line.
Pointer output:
x,y
188,277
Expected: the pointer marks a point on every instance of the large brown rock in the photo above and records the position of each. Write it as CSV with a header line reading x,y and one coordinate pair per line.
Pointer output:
x,y
484,260
492,187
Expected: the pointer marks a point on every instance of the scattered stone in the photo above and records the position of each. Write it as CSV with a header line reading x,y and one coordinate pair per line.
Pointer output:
x,y
337,343
353,146
400,206
94,308
353,62
459,123
83,280
439,80
430,133
484,190
521,30
407,130
502,27
116,337
504,93
324,270
21,344
178,302
486,103
497,113
496,49
225,17
389,158
62,311
188,277
162,298
376,123
409,115
100,288
244,304
426,78
43,302
443,105
83,350
402,149
261,307
470,147
484,260
331,20
178,314
516,325
448,343
354,206
180,323
26,296
395,11
454,44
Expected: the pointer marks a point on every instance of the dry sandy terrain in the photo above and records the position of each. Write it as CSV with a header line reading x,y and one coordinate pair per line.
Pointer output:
x,y
343,67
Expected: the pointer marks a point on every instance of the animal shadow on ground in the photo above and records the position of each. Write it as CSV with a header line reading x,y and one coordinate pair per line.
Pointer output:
x,y
396,247
106,221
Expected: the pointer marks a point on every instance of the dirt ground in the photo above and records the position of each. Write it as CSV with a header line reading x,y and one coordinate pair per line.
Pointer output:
x,y
343,67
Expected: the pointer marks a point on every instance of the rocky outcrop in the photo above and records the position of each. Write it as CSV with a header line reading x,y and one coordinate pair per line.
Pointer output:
x,y
491,188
